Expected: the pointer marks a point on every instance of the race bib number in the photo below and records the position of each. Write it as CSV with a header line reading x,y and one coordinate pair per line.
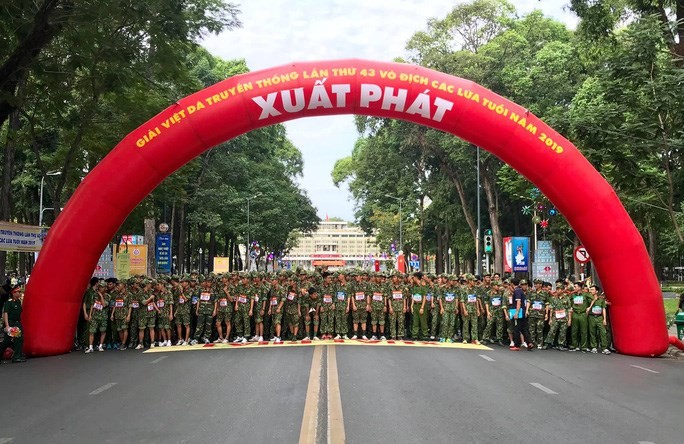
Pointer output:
x,y
360,296
205,297
397,295
449,297
596,310
327,299
341,295
150,307
181,300
135,304
119,303
243,299
290,296
223,302
472,298
256,298
578,300
194,300
510,300
160,304
428,297
377,296
97,306
537,305
417,297
496,302
560,314
274,301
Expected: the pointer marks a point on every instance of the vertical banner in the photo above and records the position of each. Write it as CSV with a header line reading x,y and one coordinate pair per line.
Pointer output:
x,y
508,254
138,255
220,265
123,265
105,265
163,253
520,250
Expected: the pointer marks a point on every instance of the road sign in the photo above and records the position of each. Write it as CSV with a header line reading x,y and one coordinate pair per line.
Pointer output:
x,y
581,255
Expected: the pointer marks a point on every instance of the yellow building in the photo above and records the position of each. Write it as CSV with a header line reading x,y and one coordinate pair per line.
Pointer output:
x,y
336,244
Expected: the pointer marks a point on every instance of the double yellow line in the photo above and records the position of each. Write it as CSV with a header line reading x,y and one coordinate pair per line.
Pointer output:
x,y
310,433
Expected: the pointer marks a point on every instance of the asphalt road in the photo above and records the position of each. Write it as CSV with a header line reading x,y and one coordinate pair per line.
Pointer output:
x,y
386,394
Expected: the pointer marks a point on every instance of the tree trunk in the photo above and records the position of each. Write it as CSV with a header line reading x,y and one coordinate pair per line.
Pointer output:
x,y
150,241
576,269
457,263
420,236
7,176
439,258
489,185
188,249
180,249
230,255
212,249
651,235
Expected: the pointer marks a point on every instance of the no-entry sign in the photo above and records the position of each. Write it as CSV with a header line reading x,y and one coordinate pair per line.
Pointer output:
x,y
582,255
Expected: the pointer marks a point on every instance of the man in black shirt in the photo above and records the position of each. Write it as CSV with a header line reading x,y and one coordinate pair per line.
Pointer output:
x,y
519,315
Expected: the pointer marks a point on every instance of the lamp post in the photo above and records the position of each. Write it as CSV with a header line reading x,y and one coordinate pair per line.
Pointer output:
x,y
42,184
247,257
401,231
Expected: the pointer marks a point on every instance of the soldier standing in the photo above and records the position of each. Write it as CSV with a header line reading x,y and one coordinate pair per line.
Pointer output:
x,y
495,314
580,304
537,312
293,310
378,307
470,310
224,310
121,313
244,305
397,308
360,307
448,308
597,321
205,311
561,317
418,312
98,318
275,310
11,318
327,310
182,314
342,304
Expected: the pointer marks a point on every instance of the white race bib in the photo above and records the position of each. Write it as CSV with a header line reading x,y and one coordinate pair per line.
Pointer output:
x,y
223,302
256,298
397,295
536,305
560,314
181,300
496,302
135,304
242,300
341,295
290,297
274,301
377,296
596,310
150,307
205,297
417,297
472,298
578,300
97,306
449,297
160,304
428,297
119,303
360,296
327,299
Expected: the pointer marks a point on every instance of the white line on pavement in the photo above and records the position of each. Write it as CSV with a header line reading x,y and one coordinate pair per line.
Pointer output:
x,y
644,368
487,358
543,388
6,440
99,390
159,359
646,442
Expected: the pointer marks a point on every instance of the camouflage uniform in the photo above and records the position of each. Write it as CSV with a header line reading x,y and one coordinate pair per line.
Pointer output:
x,y
292,308
432,304
449,299
148,318
135,299
242,305
469,301
164,303
205,311
495,304
378,304
182,308
560,311
341,317
224,306
273,302
98,318
397,316
327,309
358,292
121,305
538,303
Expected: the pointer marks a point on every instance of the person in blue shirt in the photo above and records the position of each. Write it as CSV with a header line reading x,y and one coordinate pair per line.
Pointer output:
x,y
519,315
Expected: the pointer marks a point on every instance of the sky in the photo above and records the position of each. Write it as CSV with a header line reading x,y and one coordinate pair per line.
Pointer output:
x,y
278,32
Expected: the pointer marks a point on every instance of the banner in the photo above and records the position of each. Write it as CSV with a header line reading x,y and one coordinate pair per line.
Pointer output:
x,y
105,265
163,253
132,239
138,255
123,265
221,265
516,254
17,237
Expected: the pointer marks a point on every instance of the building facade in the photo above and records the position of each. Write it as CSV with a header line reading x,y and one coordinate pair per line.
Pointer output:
x,y
337,245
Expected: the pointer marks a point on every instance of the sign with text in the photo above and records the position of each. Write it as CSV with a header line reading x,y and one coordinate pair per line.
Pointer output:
x,y
517,254
123,265
221,265
105,265
163,253
17,237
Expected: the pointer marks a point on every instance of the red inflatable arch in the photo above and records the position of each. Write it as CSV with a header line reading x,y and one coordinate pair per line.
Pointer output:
x,y
257,99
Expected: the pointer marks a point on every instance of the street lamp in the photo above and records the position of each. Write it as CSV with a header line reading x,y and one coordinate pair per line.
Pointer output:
x,y
42,183
247,257
401,231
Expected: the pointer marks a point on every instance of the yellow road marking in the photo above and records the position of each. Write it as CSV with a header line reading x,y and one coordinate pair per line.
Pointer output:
x,y
335,418
307,433
349,342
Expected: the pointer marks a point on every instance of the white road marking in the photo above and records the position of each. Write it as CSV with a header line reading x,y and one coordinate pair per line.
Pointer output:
x,y
543,388
6,440
159,359
646,442
644,368
99,390
487,358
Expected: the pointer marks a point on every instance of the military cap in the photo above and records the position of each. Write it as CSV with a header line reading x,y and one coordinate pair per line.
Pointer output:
x,y
102,284
470,277
523,282
538,281
175,277
111,280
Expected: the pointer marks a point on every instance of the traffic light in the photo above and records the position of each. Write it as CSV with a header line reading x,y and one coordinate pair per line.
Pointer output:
x,y
488,241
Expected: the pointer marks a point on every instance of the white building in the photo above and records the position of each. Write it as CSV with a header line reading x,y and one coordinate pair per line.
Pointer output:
x,y
336,244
